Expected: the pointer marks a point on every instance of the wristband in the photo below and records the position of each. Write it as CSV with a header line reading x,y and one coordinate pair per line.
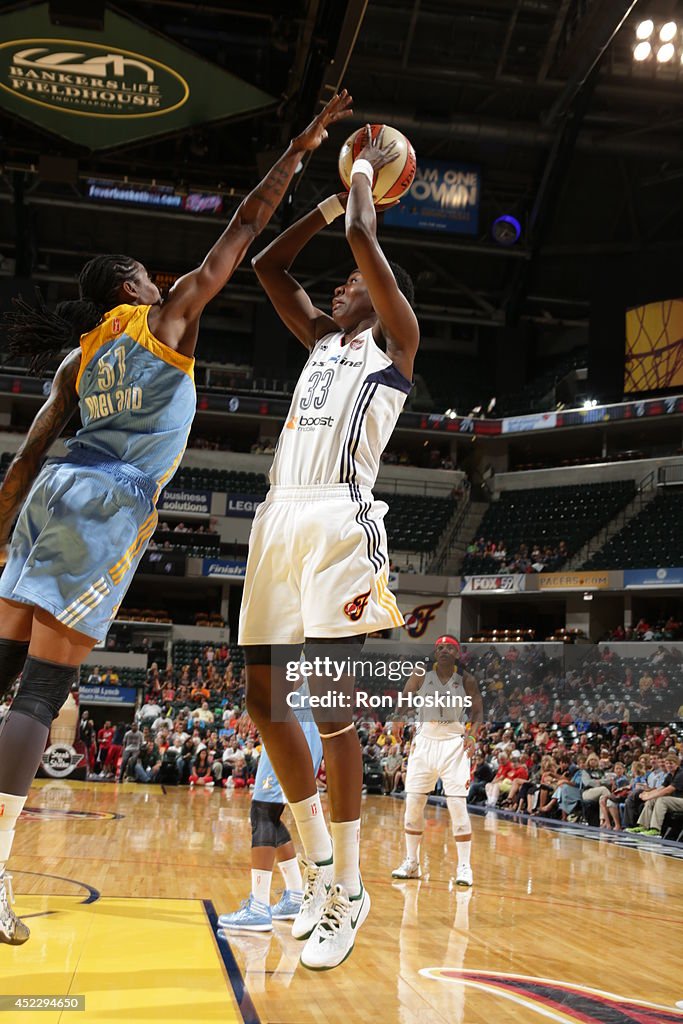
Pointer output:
x,y
363,167
331,208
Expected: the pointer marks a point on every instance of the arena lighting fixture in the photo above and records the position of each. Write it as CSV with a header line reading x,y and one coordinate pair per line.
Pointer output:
x,y
644,29
588,596
642,51
668,31
666,53
506,230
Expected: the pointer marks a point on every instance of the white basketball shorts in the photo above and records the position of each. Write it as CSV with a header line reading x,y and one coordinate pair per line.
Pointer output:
x,y
317,567
432,759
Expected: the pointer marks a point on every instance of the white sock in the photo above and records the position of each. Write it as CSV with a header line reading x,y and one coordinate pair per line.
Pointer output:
x,y
11,807
291,872
464,850
310,821
413,846
260,885
346,845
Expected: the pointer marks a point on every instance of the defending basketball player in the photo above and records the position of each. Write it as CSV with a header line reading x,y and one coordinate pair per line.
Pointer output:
x,y
89,516
271,842
442,750
318,565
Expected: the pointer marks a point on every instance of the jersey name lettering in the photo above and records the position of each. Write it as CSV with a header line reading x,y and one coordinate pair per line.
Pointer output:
x,y
111,402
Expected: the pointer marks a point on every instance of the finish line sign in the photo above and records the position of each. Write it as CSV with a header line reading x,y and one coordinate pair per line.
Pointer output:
x,y
103,89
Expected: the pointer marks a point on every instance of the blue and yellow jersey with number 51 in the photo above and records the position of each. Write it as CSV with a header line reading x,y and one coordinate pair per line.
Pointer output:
x,y
137,396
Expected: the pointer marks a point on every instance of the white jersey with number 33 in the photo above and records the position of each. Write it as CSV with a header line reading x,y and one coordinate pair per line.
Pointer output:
x,y
344,410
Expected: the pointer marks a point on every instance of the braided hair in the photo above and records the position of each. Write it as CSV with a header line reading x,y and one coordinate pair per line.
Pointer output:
x,y
41,334
404,281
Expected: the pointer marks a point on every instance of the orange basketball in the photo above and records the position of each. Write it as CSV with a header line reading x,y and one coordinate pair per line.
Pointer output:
x,y
392,181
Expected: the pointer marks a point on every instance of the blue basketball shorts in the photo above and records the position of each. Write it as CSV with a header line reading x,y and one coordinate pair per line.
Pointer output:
x,y
267,787
79,538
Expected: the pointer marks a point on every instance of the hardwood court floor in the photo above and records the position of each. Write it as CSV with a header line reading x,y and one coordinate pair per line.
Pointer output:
x,y
123,881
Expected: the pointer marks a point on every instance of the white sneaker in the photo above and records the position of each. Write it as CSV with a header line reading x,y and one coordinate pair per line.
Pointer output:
x,y
463,875
408,869
317,880
332,940
12,931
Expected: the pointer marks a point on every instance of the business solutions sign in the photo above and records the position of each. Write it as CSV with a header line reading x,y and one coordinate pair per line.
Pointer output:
x,y
443,197
103,89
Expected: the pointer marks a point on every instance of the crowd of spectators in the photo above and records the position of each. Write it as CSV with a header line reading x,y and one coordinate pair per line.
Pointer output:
x,y
528,558
659,629
191,729
577,758
581,686
618,778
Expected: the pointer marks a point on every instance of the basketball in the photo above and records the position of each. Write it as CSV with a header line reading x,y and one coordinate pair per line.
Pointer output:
x,y
392,181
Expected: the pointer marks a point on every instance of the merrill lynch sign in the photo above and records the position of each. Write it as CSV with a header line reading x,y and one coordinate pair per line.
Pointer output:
x,y
101,89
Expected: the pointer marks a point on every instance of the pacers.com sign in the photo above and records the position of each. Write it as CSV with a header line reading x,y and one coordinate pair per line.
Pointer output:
x,y
88,78
110,88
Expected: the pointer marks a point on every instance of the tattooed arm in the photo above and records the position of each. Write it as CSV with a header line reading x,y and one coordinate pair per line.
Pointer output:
x,y
46,428
176,322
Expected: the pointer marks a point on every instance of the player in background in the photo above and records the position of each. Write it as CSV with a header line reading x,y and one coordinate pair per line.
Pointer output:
x,y
89,516
442,750
318,562
271,842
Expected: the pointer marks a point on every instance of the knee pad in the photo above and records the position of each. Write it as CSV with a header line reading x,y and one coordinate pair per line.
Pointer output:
x,y
44,687
13,654
265,819
415,805
460,819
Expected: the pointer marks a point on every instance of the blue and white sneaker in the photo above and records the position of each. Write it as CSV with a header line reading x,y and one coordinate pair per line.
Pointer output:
x,y
288,906
252,916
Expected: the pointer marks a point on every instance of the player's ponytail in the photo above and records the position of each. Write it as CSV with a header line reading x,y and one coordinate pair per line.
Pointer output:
x,y
40,334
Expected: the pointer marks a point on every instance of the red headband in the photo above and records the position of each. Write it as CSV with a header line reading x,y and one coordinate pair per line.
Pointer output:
x,y
447,640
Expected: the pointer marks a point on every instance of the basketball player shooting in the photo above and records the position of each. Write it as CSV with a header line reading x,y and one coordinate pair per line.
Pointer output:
x,y
442,750
89,516
318,565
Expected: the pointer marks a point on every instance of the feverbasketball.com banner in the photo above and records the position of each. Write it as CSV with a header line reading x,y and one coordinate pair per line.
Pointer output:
x,y
581,688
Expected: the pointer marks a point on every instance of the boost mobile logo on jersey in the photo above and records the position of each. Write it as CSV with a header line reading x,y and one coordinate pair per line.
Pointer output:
x,y
354,609
75,76
309,422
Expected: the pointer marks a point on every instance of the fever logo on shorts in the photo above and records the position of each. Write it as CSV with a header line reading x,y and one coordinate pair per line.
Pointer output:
x,y
416,622
354,608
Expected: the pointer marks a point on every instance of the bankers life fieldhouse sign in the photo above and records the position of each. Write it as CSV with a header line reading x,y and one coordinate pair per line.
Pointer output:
x,y
103,89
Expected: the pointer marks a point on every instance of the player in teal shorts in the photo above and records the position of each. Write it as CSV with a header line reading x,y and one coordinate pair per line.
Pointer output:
x,y
85,520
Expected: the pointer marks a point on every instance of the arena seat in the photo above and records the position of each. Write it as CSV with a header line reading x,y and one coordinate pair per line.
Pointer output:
x,y
415,523
546,516
220,480
652,538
